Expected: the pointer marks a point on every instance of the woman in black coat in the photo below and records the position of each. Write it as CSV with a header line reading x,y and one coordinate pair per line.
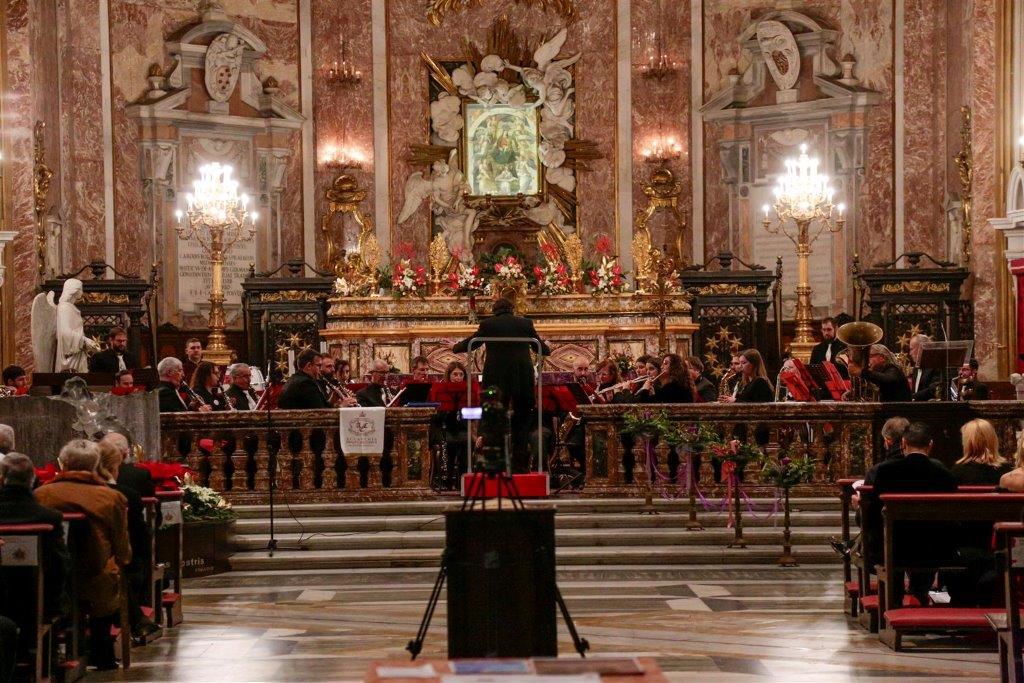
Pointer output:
x,y
755,387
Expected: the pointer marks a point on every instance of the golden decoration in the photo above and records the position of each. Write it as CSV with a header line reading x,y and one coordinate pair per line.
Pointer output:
x,y
438,257
641,250
41,176
964,165
369,249
438,9
722,289
915,287
343,197
573,249
663,195
104,298
288,295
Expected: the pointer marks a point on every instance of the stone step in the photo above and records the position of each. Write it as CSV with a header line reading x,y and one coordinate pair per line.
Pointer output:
x,y
669,555
601,538
291,521
563,504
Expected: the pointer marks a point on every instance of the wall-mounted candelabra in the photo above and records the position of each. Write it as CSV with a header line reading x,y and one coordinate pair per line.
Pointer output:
x,y
343,72
662,150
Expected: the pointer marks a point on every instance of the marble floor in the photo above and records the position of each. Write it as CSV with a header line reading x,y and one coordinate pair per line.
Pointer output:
x,y
713,623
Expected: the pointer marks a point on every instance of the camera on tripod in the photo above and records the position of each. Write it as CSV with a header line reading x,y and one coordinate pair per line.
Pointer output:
x,y
493,432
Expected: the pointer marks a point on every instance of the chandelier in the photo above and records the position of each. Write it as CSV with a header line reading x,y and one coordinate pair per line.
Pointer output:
x,y
217,217
803,195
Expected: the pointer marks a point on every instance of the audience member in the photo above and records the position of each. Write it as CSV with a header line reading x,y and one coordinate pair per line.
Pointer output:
x,y
6,440
105,550
914,472
19,506
16,379
1014,480
131,475
116,356
892,437
981,464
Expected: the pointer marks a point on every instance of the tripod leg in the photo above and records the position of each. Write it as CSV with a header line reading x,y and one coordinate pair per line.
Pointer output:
x,y
580,644
416,645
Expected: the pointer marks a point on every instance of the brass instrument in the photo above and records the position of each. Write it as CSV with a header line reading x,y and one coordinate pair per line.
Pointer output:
x,y
338,390
6,391
723,384
779,386
858,337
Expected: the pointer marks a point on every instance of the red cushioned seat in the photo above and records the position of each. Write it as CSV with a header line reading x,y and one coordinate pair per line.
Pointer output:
x,y
939,617
168,598
870,602
853,587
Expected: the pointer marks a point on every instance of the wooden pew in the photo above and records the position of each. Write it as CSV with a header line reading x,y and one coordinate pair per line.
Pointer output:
x,y
169,546
951,508
73,667
1007,624
851,588
153,607
23,549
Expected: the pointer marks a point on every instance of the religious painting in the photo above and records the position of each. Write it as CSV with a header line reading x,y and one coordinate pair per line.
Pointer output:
x,y
501,150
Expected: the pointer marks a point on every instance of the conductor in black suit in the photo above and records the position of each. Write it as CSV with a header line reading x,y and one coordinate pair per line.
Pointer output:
x,y
116,356
509,367
302,391
829,347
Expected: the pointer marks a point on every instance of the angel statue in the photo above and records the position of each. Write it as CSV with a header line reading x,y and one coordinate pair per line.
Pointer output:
x,y
547,78
444,187
59,342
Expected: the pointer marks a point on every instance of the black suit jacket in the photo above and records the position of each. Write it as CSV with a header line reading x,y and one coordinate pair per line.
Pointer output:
x,y
106,361
926,387
136,478
912,473
170,399
301,392
508,365
818,352
372,396
241,402
19,506
891,383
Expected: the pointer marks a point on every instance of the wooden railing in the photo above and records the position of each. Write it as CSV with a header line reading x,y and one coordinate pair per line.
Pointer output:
x,y
233,452
843,439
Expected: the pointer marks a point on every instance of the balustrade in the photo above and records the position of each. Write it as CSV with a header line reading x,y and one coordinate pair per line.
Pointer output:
x,y
233,452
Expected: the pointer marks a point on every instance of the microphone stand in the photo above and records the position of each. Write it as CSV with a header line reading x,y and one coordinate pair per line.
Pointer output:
x,y
272,465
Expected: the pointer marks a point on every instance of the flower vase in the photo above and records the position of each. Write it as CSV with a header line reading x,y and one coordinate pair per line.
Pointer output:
x,y
787,559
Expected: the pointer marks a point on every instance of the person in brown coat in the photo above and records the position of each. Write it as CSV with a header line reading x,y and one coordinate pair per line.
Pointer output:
x,y
101,555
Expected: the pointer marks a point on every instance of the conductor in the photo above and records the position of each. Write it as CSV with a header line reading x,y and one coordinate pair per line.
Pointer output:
x,y
510,368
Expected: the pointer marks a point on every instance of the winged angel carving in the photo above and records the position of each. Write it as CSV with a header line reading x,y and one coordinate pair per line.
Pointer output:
x,y
444,186
59,342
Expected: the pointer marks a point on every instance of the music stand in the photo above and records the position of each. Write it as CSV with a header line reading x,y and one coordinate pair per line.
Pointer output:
x,y
943,356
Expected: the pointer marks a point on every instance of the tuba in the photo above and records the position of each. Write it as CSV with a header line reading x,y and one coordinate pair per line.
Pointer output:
x,y
858,337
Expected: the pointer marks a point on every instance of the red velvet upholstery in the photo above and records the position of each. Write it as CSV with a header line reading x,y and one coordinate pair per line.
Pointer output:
x,y
853,587
959,498
870,602
939,617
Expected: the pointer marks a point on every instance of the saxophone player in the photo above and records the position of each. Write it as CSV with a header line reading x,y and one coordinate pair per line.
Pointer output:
x,y
729,385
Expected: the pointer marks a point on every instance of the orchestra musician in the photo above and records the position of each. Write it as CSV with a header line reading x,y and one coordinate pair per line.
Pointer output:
x,y
672,384
923,381
193,356
172,374
343,371
116,356
376,394
241,391
302,391
124,383
752,386
206,386
16,380
610,386
829,347
333,390
883,372
420,369
451,423
703,388
965,386
509,367
581,372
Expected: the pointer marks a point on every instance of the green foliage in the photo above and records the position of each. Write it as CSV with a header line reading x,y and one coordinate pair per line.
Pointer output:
x,y
784,471
201,504
698,436
738,452
488,261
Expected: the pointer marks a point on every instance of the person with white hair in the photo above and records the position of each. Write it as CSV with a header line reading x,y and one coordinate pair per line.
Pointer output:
x,y
6,440
172,375
923,381
100,562
134,477
240,392
883,373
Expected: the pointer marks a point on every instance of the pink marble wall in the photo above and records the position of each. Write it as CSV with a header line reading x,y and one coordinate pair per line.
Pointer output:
x,y
865,29
342,115
986,259
661,108
409,33
924,121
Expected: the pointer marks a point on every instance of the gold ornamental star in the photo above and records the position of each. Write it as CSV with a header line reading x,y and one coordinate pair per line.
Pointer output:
x,y
294,340
723,333
711,344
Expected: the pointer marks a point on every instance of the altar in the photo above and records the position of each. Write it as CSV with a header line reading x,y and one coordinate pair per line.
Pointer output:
x,y
575,326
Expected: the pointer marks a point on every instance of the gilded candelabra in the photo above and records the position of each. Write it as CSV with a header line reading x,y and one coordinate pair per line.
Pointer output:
x,y
659,299
803,196
217,217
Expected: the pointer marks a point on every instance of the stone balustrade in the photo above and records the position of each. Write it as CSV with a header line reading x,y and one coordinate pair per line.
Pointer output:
x,y
233,453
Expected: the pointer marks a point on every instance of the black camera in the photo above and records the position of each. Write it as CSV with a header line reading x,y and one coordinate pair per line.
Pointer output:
x,y
493,432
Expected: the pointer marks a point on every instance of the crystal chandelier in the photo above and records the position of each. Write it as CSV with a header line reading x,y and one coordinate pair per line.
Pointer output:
x,y
217,219
803,195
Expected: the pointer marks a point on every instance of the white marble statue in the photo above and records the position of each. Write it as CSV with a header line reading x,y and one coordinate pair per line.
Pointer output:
x,y
445,187
59,342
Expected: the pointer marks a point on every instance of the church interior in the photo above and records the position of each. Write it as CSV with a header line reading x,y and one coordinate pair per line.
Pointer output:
x,y
455,340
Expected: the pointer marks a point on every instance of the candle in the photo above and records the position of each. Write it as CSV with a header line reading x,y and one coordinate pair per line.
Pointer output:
x,y
323,347
291,361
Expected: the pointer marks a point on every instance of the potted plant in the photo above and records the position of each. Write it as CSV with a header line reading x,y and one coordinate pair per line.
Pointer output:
x,y
208,521
786,471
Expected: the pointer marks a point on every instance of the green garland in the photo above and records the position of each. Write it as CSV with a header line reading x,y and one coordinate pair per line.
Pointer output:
x,y
698,436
